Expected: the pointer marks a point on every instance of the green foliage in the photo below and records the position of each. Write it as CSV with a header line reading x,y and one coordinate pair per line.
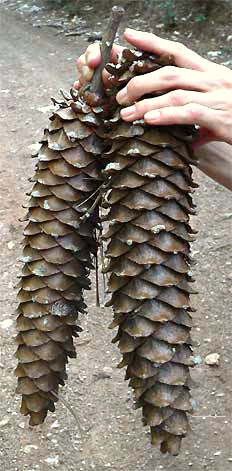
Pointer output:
x,y
56,3
200,17
70,6
169,13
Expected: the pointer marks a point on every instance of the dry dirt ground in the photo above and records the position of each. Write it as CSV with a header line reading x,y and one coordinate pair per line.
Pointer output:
x,y
34,66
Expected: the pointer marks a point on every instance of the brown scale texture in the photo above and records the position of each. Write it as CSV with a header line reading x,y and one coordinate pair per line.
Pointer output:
x,y
147,191
148,258
59,245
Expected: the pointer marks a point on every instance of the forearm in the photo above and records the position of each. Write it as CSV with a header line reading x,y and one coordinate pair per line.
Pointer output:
x,y
215,159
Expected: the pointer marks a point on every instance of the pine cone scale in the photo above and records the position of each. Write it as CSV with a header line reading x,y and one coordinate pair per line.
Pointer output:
x,y
148,260
58,248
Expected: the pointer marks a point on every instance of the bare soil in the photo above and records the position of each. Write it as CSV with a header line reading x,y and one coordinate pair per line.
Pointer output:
x,y
34,64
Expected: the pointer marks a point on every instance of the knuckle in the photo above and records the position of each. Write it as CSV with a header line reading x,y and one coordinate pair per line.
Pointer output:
x,y
195,111
225,81
132,86
178,97
180,48
170,72
142,106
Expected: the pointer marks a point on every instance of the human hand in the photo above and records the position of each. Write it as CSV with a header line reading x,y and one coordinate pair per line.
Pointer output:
x,y
87,63
201,91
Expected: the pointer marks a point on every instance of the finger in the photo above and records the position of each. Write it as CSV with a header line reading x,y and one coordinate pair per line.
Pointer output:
x,y
80,62
182,56
76,84
175,98
169,77
192,113
89,61
93,54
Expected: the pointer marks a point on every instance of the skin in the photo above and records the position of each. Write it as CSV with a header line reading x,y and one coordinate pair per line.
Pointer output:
x,y
197,91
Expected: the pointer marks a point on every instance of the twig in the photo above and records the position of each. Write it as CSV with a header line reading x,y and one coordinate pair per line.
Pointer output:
x,y
106,46
208,416
97,282
91,209
83,342
76,33
89,197
67,405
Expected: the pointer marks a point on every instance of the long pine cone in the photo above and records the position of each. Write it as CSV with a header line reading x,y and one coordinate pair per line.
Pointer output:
x,y
59,246
149,262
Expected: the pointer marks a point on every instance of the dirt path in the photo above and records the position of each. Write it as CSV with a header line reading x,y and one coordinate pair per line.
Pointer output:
x,y
34,66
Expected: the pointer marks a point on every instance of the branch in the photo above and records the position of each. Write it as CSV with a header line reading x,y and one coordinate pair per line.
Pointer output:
x,y
106,46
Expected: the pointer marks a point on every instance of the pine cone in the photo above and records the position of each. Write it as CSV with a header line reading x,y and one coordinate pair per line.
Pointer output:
x,y
149,261
59,245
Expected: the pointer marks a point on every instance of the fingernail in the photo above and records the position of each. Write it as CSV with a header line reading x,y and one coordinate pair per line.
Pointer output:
x,y
122,96
128,112
152,116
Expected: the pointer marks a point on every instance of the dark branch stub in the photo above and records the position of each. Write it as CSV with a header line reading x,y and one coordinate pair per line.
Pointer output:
x,y
117,13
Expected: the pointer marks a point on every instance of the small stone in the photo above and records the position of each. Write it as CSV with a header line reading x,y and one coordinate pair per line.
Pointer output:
x,y
10,245
229,459
213,359
217,453
6,323
55,424
1,365
4,421
34,148
29,448
52,460
197,360
229,38
214,53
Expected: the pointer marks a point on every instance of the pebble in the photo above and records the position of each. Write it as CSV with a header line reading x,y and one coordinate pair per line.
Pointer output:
x,y
55,424
197,360
46,109
29,448
213,359
214,53
10,245
217,453
229,459
4,421
52,460
6,323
